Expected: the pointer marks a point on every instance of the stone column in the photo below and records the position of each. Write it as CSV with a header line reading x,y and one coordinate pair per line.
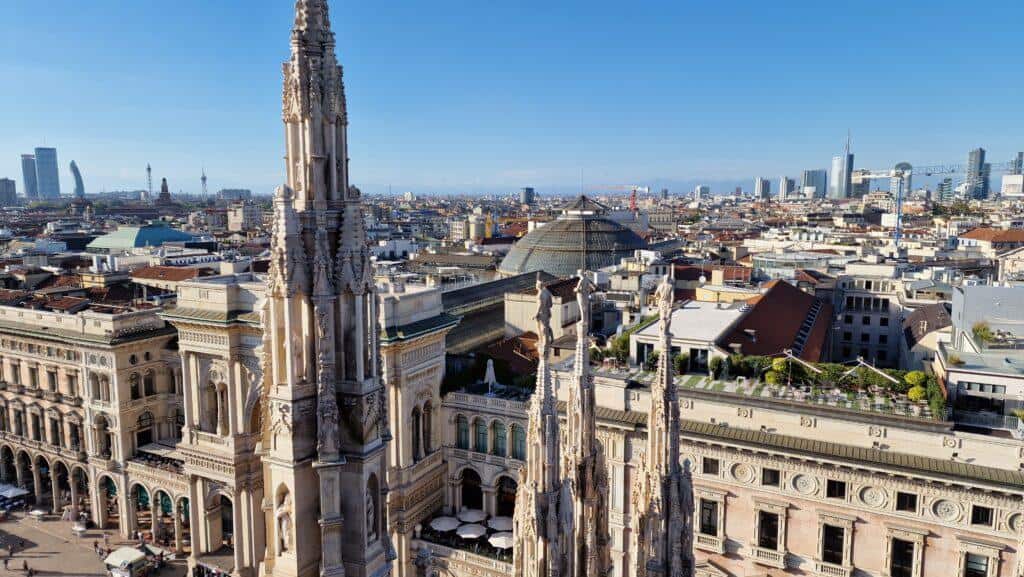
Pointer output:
x,y
154,508
236,531
489,504
55,488
74,496
3,471
179,530
37,483
196,518
129,521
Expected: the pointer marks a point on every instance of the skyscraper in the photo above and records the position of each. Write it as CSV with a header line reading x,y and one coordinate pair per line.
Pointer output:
x,y
28,176
527,195
814,183
701,191
8,192
79,185
786,188
944,190
47,174
977,174
1017,164
762,188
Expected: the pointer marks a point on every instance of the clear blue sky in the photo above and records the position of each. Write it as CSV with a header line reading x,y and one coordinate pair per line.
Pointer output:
x,y
460,95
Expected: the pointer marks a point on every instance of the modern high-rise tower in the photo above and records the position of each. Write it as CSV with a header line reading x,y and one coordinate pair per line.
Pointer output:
x,y
787,186
47,173
79,185
28,176
978,170
839,187
762,188
8,192
326,465
814,183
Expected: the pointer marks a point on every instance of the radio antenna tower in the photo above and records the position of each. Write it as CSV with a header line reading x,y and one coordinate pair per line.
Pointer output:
x,y
149,181
203,180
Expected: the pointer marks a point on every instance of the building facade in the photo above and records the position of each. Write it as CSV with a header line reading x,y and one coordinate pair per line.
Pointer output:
x,y
47,173
28,176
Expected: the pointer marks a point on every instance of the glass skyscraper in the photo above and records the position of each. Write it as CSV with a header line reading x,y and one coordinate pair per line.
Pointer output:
x,y
816,179
28,176
47,174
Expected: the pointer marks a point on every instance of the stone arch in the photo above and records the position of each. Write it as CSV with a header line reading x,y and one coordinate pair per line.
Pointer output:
x,y
7,465
104,438
140,501
42,479
162,516
471,488
108,493
505,495
144,429
81,496
183,513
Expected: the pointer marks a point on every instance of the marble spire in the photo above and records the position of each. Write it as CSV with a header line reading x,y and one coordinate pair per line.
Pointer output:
x,y
327,460
663,501
585,481
538,525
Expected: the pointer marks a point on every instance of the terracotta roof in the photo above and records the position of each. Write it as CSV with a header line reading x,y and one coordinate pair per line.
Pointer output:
x,y
168,273
995,235
776,320
519,352
924,320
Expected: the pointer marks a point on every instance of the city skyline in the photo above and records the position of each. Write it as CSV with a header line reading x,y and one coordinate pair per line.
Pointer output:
x,y
574,93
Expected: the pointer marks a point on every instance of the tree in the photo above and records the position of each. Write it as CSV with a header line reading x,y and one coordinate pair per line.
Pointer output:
x,y
983,332
917,394
772,378
780,364
681,363
717,365
916,379
651,362
597,354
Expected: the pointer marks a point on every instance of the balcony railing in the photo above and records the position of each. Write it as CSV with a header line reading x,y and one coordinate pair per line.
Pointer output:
x,y
987,419
832,570
769,557
709,543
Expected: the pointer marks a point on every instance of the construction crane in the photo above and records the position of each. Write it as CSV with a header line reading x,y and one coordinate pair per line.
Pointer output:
x,y
900,178
632,188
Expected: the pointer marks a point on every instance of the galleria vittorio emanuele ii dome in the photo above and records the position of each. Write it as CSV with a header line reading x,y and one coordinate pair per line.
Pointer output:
x,y
558,247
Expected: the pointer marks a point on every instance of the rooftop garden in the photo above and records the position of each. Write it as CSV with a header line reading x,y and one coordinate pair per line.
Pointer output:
x,y
857,387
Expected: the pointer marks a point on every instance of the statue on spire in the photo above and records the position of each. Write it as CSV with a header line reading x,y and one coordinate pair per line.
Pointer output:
x,y
663,503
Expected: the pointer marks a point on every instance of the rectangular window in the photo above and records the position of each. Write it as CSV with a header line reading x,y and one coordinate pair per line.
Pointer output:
x,y
865,337
883,321
709,517
981,516
835,489
865,320
848,319
975,565
847,336
770,477
768,530
832,541
906,502
901,563
710,466
883,355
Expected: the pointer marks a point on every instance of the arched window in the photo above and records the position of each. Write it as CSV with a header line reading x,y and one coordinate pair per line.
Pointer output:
x,y
481,436
428,443
518,443
179,422
500,447
144,429
133,384
149,383
416,423
462,432
506,497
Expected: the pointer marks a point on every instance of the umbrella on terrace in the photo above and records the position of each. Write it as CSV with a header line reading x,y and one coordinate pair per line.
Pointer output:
x,y
472,531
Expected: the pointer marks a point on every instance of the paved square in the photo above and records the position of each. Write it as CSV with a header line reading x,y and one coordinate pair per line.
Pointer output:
x,y
51,549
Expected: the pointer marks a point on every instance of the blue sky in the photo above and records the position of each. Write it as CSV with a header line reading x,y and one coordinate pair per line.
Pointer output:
x,y
486,96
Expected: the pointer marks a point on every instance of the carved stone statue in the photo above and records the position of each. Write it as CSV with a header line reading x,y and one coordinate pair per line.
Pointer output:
x,y
371,518
284,525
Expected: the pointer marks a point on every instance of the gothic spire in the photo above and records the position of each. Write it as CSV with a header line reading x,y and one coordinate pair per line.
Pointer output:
x,y
585,476
538,549
663,503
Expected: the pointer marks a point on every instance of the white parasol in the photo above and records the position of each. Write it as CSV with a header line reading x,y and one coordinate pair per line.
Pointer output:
x,y
444,524
472,531
501,540
500,523
472,515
